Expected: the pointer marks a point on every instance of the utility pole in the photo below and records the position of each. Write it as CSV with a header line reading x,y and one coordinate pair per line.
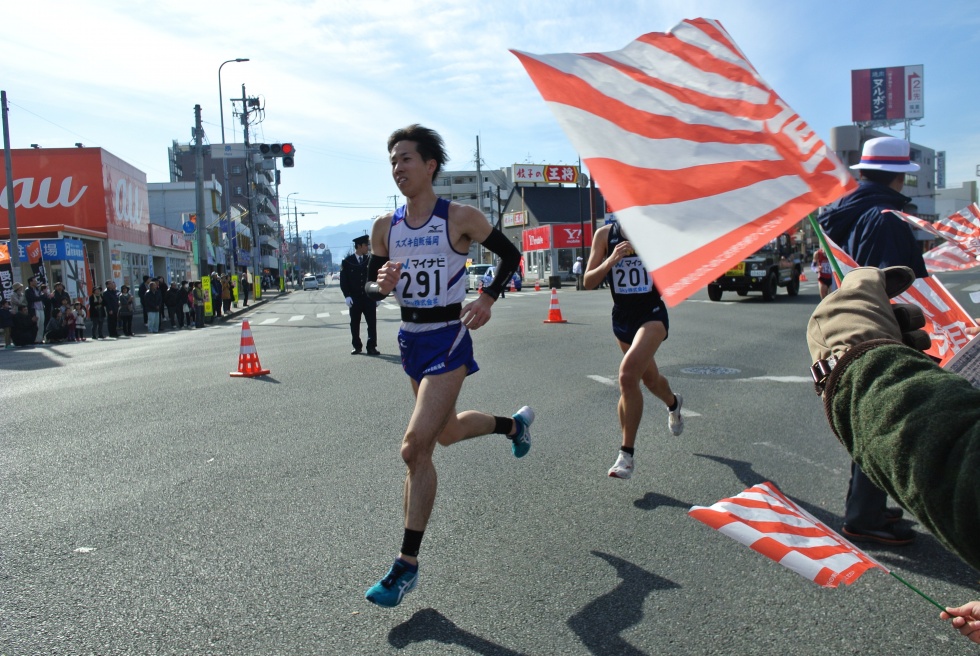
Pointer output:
x,y
202,251
256,248
479,194
13,248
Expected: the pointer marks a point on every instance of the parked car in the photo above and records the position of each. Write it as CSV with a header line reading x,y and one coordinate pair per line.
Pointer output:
x,y
474,275
310,282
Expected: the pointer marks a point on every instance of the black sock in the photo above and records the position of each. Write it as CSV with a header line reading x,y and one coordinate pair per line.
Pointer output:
x,y
503,425
627,450
673,406
411,542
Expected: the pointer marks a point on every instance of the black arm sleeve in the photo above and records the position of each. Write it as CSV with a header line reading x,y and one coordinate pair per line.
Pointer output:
x,y
510,259
371,287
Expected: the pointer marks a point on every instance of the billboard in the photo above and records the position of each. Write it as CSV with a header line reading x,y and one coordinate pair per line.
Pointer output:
x,y
887,94
546,173
81,187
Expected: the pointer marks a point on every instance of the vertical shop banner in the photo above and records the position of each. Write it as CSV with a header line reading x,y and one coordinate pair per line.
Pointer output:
x,y
206,289
6,274
34,258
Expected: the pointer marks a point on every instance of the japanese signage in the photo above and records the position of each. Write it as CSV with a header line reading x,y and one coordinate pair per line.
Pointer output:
x,y
52,249
546,173
6,274
512,219
887,94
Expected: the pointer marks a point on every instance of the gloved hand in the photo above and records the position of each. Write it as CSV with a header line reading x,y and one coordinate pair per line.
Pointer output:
x,y
350,301
859,312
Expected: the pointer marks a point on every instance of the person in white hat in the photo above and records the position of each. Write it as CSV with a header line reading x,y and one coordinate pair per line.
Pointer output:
x,y
577,272
859,225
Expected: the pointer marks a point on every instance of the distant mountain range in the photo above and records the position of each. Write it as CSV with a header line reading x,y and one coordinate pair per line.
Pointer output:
x,y
340,238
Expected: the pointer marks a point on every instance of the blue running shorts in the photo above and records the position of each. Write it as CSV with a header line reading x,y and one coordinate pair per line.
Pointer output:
x,y
437,351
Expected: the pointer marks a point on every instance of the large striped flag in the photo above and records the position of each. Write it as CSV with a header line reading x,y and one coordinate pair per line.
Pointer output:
x,y
767,521
701,160
946,319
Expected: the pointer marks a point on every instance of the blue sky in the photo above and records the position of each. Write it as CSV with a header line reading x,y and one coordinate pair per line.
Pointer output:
x,y
336,77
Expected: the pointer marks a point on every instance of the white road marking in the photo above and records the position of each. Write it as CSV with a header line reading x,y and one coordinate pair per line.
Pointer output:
x,y
613,383
795,456
268,321
783,379
345,312
969,288
297,317
322,315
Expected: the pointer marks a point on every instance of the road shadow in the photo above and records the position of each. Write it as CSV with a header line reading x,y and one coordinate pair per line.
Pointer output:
x,y
429,624
926,556
599,624
652,501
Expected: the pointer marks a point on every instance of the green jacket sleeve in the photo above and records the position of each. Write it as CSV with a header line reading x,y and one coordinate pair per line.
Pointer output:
x,y
914,429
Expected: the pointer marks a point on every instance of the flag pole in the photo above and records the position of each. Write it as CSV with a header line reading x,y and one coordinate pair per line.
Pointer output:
x,y
922,594
823,244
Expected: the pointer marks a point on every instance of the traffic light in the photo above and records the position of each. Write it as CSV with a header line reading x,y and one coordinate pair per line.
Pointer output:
x,y
284,150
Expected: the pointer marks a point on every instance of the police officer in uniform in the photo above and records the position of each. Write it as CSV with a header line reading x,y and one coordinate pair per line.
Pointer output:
x,y
353,276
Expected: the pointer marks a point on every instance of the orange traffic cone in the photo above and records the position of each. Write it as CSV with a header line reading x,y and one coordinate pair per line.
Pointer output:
x,y
248,358
537,285
802,277
554,312
513,288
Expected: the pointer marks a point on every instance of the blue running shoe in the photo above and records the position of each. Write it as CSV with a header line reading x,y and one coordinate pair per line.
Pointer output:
x,y
399,581
522,438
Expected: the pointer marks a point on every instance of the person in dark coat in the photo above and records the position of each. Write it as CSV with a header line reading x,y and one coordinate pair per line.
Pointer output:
x,y
96,312
875,238
24,327
110,300
141,292
353,276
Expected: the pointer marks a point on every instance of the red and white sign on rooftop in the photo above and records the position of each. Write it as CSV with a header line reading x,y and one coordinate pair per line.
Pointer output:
x,y
546,173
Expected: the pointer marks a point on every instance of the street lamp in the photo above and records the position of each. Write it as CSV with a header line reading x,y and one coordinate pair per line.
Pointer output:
x,y
225,201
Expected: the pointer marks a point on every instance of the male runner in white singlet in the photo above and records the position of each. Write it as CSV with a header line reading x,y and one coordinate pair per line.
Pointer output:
x,y
420,253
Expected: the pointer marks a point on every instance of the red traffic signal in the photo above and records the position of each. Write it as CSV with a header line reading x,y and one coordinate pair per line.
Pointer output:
x,y
284,150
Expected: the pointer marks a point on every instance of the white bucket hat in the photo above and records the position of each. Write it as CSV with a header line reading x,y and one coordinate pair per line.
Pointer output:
x,y
886,154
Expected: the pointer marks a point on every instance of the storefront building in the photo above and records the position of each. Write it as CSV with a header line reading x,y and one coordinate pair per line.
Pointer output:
x,y
84,195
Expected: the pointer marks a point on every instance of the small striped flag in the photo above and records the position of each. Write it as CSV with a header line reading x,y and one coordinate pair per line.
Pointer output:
x,y
961,229
767,521
701,160
946,320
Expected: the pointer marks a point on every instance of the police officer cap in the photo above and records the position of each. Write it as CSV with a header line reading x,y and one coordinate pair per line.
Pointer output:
x,y
363,239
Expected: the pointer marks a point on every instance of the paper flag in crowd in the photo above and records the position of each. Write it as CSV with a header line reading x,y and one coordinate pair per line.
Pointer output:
x,y
945,317
961,229
702,162
767,521
948,257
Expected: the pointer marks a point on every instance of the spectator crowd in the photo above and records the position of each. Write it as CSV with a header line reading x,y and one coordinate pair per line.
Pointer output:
x,y
35,314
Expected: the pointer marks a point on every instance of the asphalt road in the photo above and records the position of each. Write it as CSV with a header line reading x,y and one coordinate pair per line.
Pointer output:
x,y
154,505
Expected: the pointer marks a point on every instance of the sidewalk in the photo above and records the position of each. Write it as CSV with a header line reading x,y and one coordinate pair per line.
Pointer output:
x,y
139,328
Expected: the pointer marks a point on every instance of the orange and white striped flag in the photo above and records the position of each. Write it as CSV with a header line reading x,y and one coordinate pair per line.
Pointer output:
x,y
767,521
946,320
961,229
701,160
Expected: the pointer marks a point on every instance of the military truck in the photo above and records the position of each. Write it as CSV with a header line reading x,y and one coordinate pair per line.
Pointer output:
x,y
772,267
